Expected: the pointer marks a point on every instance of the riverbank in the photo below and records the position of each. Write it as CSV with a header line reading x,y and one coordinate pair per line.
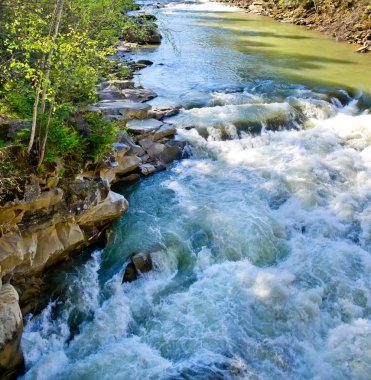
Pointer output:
x,y
343,21
49,217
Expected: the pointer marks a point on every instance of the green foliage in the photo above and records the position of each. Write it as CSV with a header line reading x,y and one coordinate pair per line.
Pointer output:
x,y
16,99
101,135
64,142
13,174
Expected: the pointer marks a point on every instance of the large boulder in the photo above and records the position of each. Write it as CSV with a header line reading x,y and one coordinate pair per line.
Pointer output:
x,y
11,326
163,153
166,130
140,263
161,112
103,210
122,165
141,127
138,94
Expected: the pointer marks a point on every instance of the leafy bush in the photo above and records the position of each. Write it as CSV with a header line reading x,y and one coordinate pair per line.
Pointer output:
x,y
101,135
64,142
16,99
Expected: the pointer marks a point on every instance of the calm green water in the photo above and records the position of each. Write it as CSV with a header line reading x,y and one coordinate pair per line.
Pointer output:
x,y
265,227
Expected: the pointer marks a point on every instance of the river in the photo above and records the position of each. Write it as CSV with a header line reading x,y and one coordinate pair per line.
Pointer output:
x,y
265,229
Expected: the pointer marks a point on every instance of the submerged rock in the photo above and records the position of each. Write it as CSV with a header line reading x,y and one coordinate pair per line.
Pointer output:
x,y
146,62
140,263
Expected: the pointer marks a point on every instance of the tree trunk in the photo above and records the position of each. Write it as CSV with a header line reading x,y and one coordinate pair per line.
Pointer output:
x,y
34,120
45,139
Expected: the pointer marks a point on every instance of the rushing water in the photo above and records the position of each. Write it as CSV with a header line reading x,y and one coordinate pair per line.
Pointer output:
x,y
266,228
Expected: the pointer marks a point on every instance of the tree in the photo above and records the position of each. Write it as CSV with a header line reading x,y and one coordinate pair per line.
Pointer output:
x,y
59,47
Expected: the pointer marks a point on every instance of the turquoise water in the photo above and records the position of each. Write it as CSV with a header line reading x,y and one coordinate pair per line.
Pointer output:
x,y
264,270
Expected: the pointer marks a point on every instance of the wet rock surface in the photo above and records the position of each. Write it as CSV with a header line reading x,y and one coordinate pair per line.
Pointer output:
x,y
140,263
11,326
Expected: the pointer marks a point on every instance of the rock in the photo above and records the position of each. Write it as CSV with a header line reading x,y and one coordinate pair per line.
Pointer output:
x,y
181,144
147,169
155,150
11,326
146,143
154,37
161,112
145,158
256,7
123,47
135,150
146,62
52,182
143,127
164,153
32,189
170,153
165,131
104,210
46,199
122,107
12,251
138,66
11,128
121,84
120,147
13,214
138,94
47,245
124,164
130,274
364,49
130,177
110,93
115,117
140,263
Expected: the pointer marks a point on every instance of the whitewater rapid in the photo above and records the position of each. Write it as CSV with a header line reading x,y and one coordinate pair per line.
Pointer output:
x,y
265,271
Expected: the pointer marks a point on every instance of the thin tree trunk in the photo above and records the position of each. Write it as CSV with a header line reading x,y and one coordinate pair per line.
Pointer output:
x,y
34,120
43,146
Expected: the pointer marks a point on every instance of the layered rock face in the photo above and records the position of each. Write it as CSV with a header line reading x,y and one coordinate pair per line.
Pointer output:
x,y
11,324
39,232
